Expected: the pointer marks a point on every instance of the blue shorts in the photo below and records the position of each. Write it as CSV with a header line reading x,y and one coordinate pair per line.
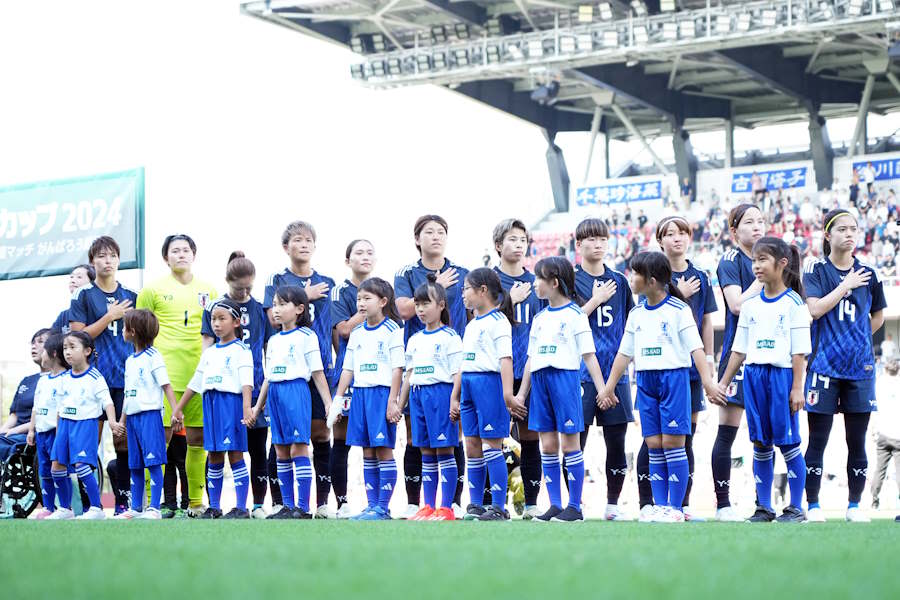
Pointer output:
x,y
76,442
734,393
146,439
429,412
829,395
623,412
698,397
290,411
767,393
556,401
482,410
665,401
367,425
222,427
43,442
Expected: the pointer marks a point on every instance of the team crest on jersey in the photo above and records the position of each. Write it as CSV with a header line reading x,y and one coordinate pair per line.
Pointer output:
x,y
380,353
203,299
665,334
110,299
812,397
228,364
290,354
245,318
779,328
561,334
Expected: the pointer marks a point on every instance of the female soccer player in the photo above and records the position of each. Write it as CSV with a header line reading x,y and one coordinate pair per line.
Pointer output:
x,y
735,274
178,301
433,360
846,299
606,299
560,340
299,243
78,277
292,359
225,378
83,396
239,275
773,337
146,384
374,363
661,337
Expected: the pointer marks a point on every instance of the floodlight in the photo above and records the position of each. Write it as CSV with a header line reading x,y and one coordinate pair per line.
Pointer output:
x,y
687,28
423,62
670,31
743,22
885,5
493,53
610,38
357,72
535,48
393,66
769,17
567,44
377,68
605,11
855,8
439,59
439,34
462,31
515,52
640,35
585,42
462,57
357,45
639,8
723,24
493,27
378,43
666,5
585,13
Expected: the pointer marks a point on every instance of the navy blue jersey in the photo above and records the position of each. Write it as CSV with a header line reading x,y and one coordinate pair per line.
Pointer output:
x,y
343,306
702,303
319,310
412,276
61,324
88,306
608,320
23,401
842,337
524,312
257,331
735,268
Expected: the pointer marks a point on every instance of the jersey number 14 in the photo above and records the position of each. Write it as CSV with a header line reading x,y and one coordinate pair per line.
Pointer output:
x,y
847,311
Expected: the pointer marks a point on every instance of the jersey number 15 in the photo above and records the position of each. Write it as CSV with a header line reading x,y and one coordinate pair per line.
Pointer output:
x,y
604,316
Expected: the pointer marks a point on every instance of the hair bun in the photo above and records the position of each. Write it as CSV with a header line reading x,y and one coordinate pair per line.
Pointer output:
x,y
431,278
236,254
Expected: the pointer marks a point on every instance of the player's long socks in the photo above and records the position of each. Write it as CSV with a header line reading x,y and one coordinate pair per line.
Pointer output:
x,y
156,485
819,430
259,477
275,479
430,478
721,464
476,469
659,476
122,478
136,478
214,480
48,489
575,462
796,472
241,483
86,476
763,474
174,472
63,486
552,475
616,463
855,425
387,480
370,477
645,491
412,474
679,475
286,482
495,464
322,461
195,465
303,473
689,450
449,479
530,468
459,454
338,470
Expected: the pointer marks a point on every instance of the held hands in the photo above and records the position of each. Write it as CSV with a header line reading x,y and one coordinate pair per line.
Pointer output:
x,y
688,287
606,398
334,414
519,291
249,419
393,412
118,429
602,292
117,309
29,439
314,292
797,400
516,406
454,409
715,393
177,420
448,278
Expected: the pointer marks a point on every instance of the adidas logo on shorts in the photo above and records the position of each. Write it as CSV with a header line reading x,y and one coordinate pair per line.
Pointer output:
x,y
673,423
488,427
226,441
150,456
442,437
296,432
82,453
569,423
380,436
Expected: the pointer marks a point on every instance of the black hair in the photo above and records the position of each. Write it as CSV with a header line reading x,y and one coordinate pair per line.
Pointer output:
x,y
174,238
778,249
560,269
89,269
655,265
431,291
42,331
104,242
352,244
830,217
485,277
424,220
84,339
144,327
591,227
296,295
382,289
234,309
737,214
54,349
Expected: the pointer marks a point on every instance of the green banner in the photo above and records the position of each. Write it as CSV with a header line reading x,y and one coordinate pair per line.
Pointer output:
x,y
46,228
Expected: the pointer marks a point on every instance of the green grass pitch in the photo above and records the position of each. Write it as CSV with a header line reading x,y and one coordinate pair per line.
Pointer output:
x,y
324,559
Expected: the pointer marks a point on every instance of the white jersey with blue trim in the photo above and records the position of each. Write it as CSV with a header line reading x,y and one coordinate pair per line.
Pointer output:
x,y
46,397
373,353
433,356
559,338
83,396
293,355
224,367
661,337
487,339
771,330
145,376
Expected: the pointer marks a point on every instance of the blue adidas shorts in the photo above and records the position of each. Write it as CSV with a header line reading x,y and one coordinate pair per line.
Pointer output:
x,y
429,412
734,393
146,439
290,411
43,443
623,412
367,425
556,401
482,410
829,396
664,398
222,427
767,400
76,442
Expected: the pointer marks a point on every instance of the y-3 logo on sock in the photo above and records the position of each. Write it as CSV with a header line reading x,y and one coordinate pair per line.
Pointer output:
x,y
623,471
861,472
814,470
724,483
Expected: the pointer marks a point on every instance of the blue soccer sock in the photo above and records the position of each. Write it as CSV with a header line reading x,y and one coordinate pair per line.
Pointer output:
x,y
659,476
552,476
449,479
241,483
214,477
575,467
495,463
370,477
137,489
763,473
430,478
303,473
86,476
796,472
679,475
286,481
387,479
63,486
476,472
157,484
48,492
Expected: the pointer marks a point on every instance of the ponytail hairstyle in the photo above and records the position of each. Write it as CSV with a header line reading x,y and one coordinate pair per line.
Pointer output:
x,y
737,214
296,295
85,340
830,217
560,269
655,265
239,266
54,349
382,289
488,278
233,309
679,222
779,249
431,291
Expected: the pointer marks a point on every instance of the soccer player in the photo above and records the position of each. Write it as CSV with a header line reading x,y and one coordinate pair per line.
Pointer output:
x,y
430,237
78,277
14,430
846,299
735,274
773,337
606,299
299,243
98,309
178,301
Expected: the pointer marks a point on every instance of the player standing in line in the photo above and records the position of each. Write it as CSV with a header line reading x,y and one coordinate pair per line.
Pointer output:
x,y
430,237
773,338
847,301
78,277
14,430
299,243
178,301
606,299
